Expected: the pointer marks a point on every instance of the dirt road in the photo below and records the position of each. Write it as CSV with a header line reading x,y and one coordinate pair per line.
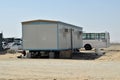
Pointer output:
x,y
106,67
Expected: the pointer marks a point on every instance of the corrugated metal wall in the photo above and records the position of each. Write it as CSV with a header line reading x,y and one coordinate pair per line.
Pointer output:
x,y
40,36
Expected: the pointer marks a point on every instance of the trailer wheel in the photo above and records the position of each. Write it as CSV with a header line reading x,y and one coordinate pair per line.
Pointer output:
x,y
88,47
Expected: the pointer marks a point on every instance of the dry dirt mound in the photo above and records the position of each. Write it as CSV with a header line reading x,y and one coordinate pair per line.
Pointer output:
x,y
112,53
111,56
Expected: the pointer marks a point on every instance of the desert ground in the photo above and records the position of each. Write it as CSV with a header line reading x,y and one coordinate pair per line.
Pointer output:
x,y
106,67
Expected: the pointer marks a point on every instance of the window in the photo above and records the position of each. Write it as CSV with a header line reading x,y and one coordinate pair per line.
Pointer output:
x,y
89,36
97,35
84,36
92,36
66,30
102,35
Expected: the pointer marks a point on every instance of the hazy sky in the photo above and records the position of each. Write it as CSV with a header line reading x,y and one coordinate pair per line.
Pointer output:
x,y
92,15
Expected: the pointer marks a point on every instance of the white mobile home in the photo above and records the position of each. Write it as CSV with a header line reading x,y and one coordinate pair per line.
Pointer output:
x,y
48,35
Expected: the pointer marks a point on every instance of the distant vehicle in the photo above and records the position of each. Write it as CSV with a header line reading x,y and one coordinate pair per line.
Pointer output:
x,y
96,40
12,43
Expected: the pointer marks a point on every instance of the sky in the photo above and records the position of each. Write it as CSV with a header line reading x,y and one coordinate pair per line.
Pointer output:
x,y
92,15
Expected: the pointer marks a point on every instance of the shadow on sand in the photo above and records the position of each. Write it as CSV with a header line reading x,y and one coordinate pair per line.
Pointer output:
x,y
86,56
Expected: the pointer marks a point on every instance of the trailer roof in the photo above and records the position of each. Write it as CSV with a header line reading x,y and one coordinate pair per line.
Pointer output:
x,y
52,21
40,20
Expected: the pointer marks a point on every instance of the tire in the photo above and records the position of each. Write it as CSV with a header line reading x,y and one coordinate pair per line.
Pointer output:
x,y
88,47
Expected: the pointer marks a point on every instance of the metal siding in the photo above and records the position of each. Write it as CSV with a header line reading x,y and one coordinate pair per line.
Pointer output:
x,y
77,41
40,36
57,36
64,42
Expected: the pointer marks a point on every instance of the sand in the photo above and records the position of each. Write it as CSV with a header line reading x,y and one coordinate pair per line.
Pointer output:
x,y
106,67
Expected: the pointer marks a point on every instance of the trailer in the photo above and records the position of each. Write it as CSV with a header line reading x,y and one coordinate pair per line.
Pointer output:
x,y
49,38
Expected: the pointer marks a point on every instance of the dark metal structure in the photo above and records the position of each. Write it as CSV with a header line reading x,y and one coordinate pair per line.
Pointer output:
x,y
1,39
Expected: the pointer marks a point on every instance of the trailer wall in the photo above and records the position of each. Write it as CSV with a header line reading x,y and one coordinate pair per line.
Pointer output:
x,y
65,36
39,36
